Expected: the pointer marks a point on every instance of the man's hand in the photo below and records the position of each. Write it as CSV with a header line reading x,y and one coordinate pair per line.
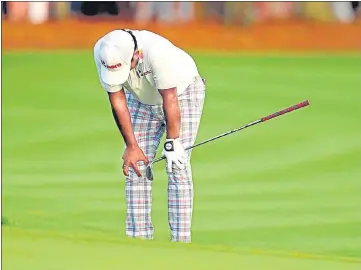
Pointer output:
x,y
174,153
131,156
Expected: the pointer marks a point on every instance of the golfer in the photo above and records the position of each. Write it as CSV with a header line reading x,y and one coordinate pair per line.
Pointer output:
x,y
154,87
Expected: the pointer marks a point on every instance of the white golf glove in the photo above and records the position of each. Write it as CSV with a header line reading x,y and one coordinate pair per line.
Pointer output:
x,y
174,153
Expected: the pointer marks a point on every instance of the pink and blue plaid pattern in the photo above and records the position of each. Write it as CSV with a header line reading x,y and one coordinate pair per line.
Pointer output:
x,y
149,126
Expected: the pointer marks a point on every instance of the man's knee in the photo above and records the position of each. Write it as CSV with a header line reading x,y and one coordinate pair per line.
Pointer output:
x,y
133,177
180,174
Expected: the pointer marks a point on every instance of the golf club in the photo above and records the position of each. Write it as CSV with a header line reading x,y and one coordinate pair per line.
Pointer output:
x,y
149,170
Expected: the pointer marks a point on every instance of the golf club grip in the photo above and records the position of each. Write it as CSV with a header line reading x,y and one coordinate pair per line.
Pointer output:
x,y
287,110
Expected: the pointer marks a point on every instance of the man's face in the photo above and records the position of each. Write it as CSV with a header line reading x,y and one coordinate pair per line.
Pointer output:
x,y
135,58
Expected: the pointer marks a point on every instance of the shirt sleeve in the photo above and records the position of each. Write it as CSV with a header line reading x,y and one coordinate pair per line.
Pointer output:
x,y
163,67
111,88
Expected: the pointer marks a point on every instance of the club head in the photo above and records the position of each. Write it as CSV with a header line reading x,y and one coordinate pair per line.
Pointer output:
x,y
149,172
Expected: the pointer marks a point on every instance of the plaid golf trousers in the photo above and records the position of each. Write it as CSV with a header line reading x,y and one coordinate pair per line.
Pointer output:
x,y
149,126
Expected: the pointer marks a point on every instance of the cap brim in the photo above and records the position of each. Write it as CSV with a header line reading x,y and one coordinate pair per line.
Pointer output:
x,y
115,77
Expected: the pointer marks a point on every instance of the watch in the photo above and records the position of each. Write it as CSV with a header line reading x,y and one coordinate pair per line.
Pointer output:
x,y
168,146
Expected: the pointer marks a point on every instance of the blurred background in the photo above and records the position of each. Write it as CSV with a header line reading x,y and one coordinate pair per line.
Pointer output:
x,y
272,197
249,25
223,12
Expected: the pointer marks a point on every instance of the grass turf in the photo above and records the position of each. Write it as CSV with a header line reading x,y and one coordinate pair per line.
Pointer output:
x,y
281,195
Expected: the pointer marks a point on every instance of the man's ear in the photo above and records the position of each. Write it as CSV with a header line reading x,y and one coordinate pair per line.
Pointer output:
x,y
135,59
136,54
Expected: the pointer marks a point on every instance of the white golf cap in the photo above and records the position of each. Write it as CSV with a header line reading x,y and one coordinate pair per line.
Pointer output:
x,y
115,53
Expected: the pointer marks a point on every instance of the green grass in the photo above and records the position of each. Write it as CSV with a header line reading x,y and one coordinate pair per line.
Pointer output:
x,y
281,195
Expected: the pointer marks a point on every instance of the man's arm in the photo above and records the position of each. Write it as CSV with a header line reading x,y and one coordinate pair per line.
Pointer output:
x,y
165,74
122,117
172,112
174,152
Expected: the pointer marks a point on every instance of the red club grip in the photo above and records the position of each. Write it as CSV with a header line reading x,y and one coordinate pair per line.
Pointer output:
x,y
287,110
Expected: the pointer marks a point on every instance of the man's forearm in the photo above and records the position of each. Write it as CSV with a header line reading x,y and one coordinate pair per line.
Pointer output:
x,y
125,128
122,118
172,113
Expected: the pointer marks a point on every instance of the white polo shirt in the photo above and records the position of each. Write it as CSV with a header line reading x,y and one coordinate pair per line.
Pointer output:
x,y
161,65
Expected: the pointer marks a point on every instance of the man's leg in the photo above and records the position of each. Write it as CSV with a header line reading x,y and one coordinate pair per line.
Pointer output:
x,y
180,184
148,131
